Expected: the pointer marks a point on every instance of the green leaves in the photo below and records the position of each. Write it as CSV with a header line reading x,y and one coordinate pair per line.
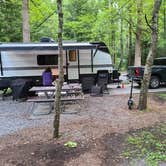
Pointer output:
x,y
10,21
84,20
148,144
71,144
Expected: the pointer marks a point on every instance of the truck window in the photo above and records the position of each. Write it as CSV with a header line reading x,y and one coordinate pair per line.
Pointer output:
x,y
47,59
161,62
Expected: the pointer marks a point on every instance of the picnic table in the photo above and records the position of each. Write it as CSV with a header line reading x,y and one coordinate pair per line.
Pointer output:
x,y
66,89
69,93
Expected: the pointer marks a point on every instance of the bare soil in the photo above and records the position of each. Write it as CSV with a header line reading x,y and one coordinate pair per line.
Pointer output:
x,y
99,128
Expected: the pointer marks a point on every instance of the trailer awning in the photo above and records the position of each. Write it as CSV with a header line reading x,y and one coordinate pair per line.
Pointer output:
x,y
44,46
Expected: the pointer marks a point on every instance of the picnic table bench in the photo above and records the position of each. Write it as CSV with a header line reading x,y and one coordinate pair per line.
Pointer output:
x,y
69,94
42,100
51,101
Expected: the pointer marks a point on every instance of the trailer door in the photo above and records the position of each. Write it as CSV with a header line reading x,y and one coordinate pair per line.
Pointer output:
x,y
73,64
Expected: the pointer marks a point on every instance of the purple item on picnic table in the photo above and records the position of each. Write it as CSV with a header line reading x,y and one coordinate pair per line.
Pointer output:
x,y
47,78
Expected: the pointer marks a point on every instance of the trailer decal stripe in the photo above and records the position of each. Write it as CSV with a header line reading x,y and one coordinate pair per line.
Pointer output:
x,y
55,67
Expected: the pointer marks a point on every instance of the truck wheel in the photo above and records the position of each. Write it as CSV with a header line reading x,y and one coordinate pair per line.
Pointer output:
x,y
154,82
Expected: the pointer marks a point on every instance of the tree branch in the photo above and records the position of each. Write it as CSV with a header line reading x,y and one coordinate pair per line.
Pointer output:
x,y
37,7
39,25
148,23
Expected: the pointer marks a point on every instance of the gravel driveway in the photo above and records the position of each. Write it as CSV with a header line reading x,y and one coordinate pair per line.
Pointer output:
x,y
15,116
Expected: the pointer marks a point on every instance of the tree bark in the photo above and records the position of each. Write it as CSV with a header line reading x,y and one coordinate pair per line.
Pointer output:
x,y
164,19
137,61
130,52
121,40
113,47
25,17
57,102
149,61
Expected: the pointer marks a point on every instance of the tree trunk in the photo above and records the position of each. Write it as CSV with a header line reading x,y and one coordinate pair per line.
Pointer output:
x,y
149,60
164,18
130,52
57,102
113,47
25,17
137,61
121,40
130,59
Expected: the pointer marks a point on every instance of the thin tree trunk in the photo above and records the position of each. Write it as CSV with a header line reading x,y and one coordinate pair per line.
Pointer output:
x,y
130,60
149,60
121,40
130,56
57,102
113,47
25,17
164,18
137,61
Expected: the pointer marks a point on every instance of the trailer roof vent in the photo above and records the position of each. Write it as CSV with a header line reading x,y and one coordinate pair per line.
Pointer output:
x,y
46,39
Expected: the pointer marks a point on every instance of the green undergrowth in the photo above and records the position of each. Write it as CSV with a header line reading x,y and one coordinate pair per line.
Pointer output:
x,y
162,95
147,144
8,92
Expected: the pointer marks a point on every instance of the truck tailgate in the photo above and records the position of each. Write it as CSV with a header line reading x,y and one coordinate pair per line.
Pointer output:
x,y
134,71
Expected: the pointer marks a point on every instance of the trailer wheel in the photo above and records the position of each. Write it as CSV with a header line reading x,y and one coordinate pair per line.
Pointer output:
x,y
154,82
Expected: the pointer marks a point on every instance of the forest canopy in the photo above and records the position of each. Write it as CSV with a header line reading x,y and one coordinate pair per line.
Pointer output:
x,y
111,21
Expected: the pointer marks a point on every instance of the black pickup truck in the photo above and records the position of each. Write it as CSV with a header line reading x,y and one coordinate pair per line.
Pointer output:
x,y
158,75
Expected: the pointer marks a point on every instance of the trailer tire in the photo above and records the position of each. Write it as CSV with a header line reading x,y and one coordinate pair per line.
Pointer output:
x,y
154,82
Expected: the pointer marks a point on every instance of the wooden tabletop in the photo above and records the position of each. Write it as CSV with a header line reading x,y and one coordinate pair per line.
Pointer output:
x,y
65,87
42,88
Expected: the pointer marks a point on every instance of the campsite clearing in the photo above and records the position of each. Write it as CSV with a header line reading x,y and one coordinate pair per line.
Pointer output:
x,y
99,126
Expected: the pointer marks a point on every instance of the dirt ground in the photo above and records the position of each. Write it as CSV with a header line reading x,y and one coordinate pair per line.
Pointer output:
x,y
98,127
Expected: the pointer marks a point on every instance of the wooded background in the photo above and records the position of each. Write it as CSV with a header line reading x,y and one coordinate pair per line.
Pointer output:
x,y
120,24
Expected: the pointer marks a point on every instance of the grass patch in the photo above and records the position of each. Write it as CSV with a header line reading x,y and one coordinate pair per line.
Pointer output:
x,y
1,92
162,95
8,92
148,144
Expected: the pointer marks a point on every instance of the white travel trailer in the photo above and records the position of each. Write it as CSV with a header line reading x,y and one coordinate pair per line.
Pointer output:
x,y
29,60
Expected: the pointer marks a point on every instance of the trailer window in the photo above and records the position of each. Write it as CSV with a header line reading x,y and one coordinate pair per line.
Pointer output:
x,y
72,55
47,59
